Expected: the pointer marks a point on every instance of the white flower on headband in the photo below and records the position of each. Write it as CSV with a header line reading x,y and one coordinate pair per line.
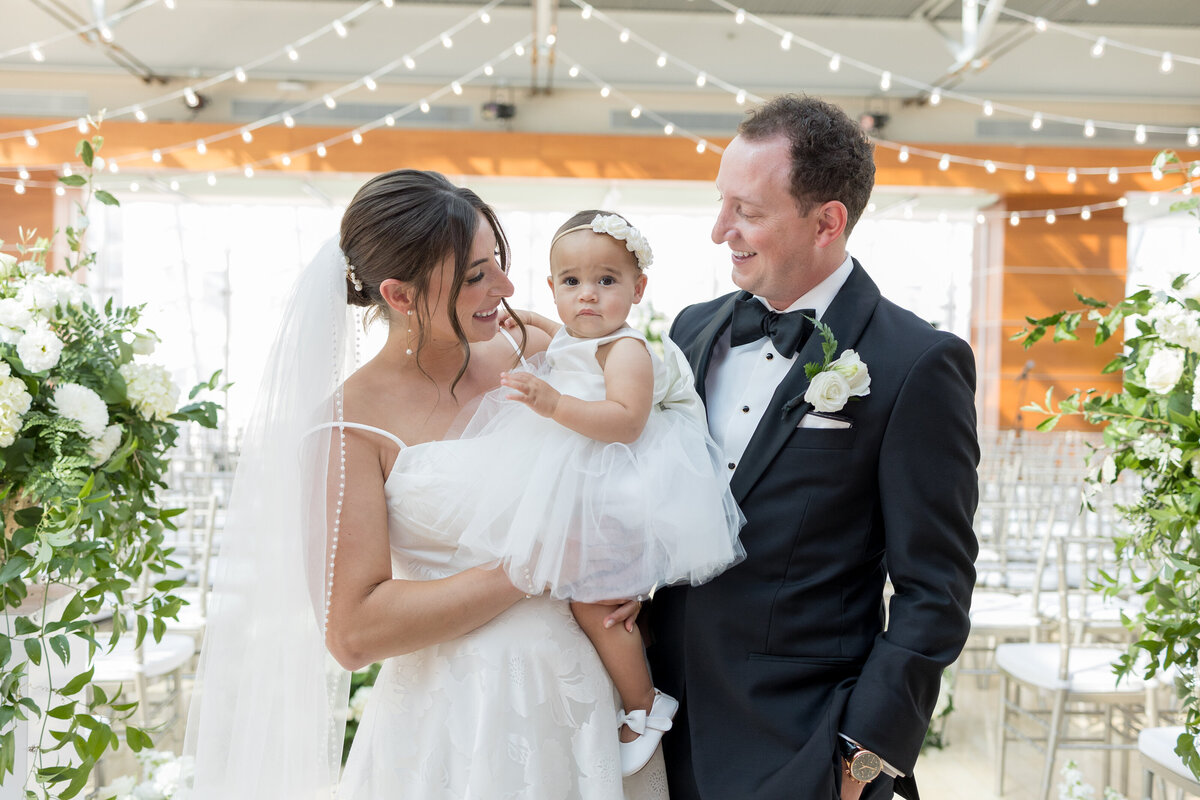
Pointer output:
x,y
621,230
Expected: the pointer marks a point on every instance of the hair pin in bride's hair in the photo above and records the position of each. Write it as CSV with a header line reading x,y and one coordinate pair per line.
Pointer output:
x,y
350,274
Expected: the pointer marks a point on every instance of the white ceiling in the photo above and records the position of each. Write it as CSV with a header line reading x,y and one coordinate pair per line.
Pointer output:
x,y
156,52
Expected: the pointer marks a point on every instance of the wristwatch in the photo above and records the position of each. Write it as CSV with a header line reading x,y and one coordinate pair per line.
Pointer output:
x,y
860,764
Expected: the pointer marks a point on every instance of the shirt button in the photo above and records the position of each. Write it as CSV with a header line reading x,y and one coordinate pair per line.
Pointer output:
x,y
732,465
745,409
770,356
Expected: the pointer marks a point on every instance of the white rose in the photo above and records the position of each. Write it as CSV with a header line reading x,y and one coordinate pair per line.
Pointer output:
x,y
828,391
14,314
1164,370
851,367
142,344
1176,325
101,449
39,349
82,405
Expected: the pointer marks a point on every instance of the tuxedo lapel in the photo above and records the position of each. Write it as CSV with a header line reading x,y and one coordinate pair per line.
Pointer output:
x,y
847,316
699,354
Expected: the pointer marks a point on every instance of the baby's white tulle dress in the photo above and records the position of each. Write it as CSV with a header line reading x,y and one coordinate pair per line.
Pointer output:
x,y
585,519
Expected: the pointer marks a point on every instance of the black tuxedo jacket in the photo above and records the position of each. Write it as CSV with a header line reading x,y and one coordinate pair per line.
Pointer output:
x,y
775,657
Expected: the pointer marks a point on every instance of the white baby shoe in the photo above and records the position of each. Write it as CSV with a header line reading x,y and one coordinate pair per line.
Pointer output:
x,y
649,727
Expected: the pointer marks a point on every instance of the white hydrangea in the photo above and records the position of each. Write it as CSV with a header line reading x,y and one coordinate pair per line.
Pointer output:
x,y
82,405
39,349
1176,325
14,403
150,389
101,449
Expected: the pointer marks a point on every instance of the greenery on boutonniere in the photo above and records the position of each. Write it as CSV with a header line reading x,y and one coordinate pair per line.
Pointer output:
x,y
834,381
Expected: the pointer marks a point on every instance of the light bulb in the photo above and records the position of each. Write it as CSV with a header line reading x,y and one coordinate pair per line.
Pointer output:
x,y
30,139
81,125
489,70
1040,24
19,187
113,167
424,106
990,166
390,121
739,16
330,103
485,17
170,4
211,179
786,41
1072,175
988,108
248,171
66,170
240,75
1050,218
36,53
519,49
935,97
551,39
156,156
1193,137
605,91
339,27
105,33
201,147
1085,213
286,160
1030,172
59,190
174,186
635,112
456,87
139,115
944,162
321,151
624,36
1089,129
903,155
293,53
586,13
661,60
289,121
980,219
835,62
573,71
247,136
701,146
447,42
357,138
23,173
885,80
1113,175
371,85
1014,219
1139,134
1166,65
1036,122
409,63
190,97
389,3
1098,47
701,79
1122,201
668,129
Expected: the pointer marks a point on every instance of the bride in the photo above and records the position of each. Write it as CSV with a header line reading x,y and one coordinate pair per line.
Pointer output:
x,y
338,545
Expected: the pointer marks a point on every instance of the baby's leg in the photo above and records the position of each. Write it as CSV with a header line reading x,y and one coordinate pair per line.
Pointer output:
x,y
622,655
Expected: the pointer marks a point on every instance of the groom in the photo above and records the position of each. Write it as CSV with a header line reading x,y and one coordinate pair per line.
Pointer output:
x,y
790,685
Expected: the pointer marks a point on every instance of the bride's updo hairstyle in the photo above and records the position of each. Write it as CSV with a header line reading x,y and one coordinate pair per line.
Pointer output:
x,y
402,225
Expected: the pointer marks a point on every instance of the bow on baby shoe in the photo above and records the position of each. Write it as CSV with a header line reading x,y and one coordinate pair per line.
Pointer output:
x,y
638,721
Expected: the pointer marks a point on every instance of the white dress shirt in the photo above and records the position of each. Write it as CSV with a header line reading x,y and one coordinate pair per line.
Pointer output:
x,y
741,380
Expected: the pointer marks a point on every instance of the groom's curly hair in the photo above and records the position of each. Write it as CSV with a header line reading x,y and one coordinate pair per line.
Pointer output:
x,y
832,157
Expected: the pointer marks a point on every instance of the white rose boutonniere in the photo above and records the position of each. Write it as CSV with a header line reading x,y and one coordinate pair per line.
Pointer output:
x,y
834,381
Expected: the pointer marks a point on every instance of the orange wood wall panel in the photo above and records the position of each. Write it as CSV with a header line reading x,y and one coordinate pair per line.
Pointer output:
x,y
33,211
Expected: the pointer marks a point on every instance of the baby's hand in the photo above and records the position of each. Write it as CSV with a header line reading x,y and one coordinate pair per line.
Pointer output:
x,y
529,318
533,392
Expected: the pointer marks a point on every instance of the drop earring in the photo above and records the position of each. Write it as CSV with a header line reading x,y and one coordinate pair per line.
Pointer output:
x,y
409,351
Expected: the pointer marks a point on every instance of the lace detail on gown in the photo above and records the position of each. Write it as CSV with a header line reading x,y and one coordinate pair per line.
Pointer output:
x,y
519,708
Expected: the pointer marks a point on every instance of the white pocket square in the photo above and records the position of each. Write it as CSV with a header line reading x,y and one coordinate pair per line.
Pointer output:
x,y
814,419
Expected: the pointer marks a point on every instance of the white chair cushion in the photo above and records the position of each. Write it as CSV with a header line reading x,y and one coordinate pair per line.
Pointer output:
x,y
158,658
1091,670
1158,745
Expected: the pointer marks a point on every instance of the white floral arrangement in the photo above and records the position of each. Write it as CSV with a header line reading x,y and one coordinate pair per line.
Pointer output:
x,y
1074,787
619,229
164,776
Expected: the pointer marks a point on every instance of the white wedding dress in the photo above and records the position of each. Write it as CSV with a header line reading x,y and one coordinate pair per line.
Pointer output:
x,y
518,708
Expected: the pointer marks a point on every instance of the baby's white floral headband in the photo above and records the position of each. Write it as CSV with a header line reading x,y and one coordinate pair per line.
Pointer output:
x,y
619,229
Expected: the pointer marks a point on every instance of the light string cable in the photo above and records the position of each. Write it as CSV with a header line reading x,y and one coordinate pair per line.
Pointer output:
x,y
888,78
100,27
240,73
287,116
1166,58
354,134
703,78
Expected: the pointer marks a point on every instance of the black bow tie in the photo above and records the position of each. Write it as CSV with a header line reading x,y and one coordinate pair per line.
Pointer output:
x,y
788,332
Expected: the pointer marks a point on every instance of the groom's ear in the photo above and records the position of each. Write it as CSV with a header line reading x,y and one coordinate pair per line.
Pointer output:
x,y
398,295
831,222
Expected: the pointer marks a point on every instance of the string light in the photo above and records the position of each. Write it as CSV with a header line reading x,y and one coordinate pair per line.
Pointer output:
x,y
289,121
990,167
456,87
239,74
935,97
835,62
190,97
1014,219
605,90
669,129
1166,64
66,170
59,190
134,186
586,13
944,163
741,97
624,36
903,155
156,156
321,150
1098,47
1040,24
174,186
1030,172
1113,175
885,80
23,173
390,120
1036,122
201,146
701,79
286,160
447,42
1139,134
661,60
740,16
424,106
409,62
1085,213
573,71
1072,175
293,53
701,146
988,108
1051,217
1089,129
247,136
1193,137
35,52
519,49
248,171
330,103
211,179
30,139
339,28
488,70
635,112
139,115
81,125
19,187
786,41
485,17
357,138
